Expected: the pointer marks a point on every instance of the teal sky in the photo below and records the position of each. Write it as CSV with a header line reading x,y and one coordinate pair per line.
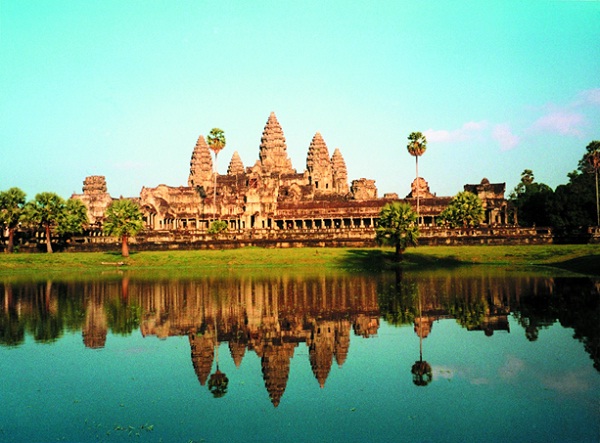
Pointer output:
x,y
124,88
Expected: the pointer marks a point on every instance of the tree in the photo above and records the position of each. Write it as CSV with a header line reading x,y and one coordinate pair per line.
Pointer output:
x,y
464,210
533,202
12,203
592,156
45,211
216,142
123,219
397,227
73,219
416,147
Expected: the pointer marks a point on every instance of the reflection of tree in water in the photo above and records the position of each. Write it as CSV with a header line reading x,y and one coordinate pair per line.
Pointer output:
x,y
218,381
122,316
467,312
421,370
12,331
397,299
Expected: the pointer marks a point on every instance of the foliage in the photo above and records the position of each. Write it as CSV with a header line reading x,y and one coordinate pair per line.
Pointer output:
x,y
397,227
12,203
217,384
73,219
532,202
123,219
397,301
216,140
45,211
571,205
464,210
417,144
217,227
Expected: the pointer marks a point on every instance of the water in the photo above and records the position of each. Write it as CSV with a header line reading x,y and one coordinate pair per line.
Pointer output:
x,y
478,354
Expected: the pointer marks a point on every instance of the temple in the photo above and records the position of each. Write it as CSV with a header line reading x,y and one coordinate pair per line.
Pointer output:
x,y
272,196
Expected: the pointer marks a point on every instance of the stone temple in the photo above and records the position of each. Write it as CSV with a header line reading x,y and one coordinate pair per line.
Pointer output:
x,y
271,195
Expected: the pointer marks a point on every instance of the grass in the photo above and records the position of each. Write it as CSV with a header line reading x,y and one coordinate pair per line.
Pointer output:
x,y
583,259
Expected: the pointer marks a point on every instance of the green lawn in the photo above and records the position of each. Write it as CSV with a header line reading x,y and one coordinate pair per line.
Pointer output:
x,y
578,258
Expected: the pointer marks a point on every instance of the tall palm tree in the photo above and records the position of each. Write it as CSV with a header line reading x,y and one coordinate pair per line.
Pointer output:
x,y
11,208
417,144
123,219
593,158
216,142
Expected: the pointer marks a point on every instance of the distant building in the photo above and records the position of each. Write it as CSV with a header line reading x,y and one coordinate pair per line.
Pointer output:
x,y
272,195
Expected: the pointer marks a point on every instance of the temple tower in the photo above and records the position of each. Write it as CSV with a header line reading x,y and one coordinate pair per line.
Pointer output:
x,y
340,173
318,165
273,150
235,165
201,165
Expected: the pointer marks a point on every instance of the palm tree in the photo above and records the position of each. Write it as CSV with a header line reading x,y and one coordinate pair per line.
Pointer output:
x,y
464,210
216,142
593,158
73,219
45,211
416,147
123,219
11,209
397,227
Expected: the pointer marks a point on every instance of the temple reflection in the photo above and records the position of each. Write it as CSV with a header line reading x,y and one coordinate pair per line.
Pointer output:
x,y
271,316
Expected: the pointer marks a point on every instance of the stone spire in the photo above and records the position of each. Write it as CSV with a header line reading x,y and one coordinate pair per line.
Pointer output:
x,y
275,364
340,173
202,350
318,164
235,165
273,150
201,165
320,351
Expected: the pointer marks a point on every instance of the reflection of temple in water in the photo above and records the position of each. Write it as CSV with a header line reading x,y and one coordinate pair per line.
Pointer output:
x,y
269,317
272,316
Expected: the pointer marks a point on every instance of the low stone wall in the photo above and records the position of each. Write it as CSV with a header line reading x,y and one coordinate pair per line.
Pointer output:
x,y
270,238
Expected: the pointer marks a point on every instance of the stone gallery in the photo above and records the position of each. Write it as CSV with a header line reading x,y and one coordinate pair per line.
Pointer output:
x,y
272,196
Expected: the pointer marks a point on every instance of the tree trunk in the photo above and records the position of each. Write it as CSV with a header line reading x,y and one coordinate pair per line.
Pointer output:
x,y
398,255
417,188
124,246
597,201
48,240
11,242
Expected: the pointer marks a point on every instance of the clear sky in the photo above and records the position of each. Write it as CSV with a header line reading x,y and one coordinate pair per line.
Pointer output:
x,y
124,88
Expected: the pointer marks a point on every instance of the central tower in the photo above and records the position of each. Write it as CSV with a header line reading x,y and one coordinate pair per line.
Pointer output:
x,y
273,150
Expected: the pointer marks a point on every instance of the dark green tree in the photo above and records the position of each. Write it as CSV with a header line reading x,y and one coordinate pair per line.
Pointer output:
x,y
397,227
533,202
592,156
12,203
73,219
123,219
464,210
45,212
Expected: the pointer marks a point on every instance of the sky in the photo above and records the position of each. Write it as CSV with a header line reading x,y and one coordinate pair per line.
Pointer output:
x,y
124,88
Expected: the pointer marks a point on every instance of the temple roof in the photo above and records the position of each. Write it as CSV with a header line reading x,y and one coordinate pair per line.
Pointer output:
x,y
273,150
235,165
201,165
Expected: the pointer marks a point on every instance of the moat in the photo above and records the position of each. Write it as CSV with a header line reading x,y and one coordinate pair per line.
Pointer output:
x,y
472,354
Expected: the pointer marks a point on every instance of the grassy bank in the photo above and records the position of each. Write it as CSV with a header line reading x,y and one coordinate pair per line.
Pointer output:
x,y
577,258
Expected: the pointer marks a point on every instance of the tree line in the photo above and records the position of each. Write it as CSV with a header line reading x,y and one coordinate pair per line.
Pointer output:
x,y
51,214
571,205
